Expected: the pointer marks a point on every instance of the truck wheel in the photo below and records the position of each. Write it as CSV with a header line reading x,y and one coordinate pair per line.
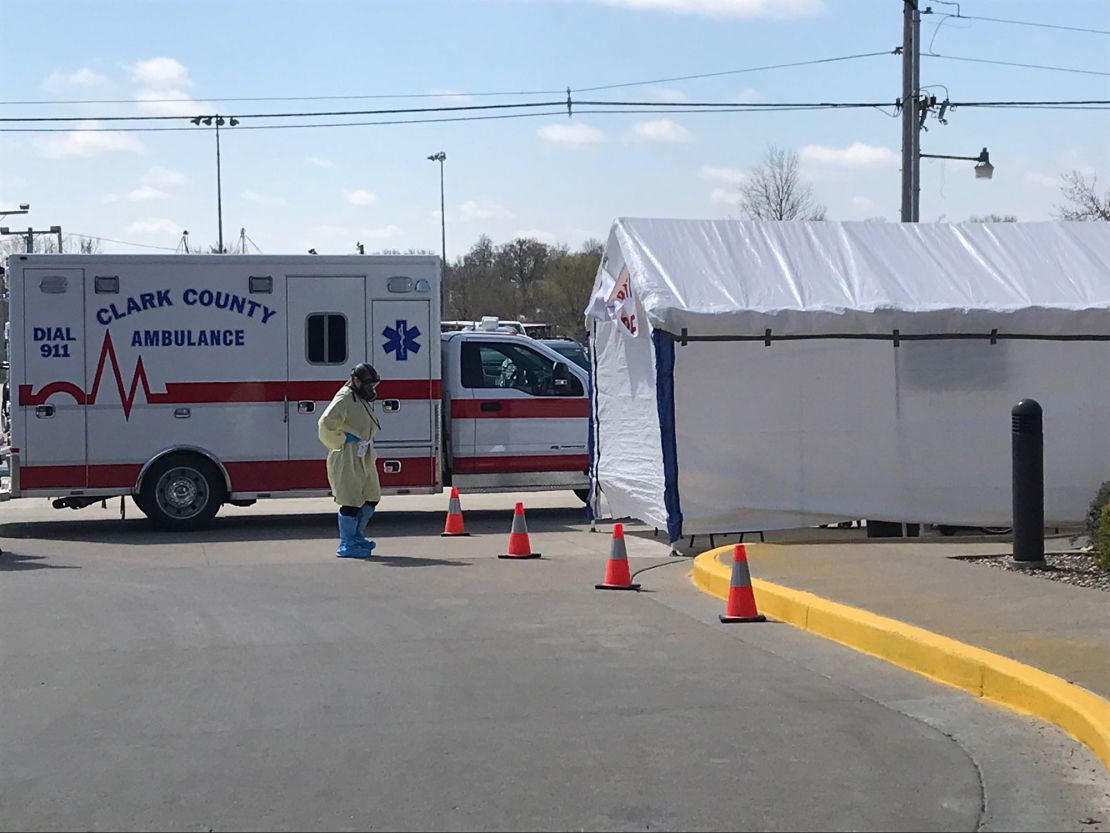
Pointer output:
x,y
583,495
181,492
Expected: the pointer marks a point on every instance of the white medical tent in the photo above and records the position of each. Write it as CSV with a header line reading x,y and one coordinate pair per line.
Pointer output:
x,y
768,375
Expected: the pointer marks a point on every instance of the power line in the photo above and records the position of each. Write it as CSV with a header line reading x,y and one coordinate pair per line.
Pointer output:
x,y
732,72
1014,64
122,242
382,96
291,115
593,107
1025,22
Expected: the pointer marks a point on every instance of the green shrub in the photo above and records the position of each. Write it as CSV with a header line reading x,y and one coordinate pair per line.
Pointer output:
x,y
1102,541
1094,511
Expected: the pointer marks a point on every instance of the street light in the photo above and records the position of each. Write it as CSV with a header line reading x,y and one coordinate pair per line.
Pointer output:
x,y
24,207
219,186
441,157
983,168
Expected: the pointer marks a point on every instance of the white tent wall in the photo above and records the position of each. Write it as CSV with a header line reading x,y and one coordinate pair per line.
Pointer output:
x,y
801,433
627,452
850,370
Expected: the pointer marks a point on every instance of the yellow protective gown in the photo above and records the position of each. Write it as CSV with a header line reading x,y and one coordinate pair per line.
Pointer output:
x,y
353,479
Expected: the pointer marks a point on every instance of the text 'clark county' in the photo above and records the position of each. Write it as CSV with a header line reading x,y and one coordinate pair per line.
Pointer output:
x,y
191,298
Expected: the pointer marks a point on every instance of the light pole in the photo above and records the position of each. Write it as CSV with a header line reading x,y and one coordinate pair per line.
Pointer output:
x,y
441,157
983,168
219,186
24,207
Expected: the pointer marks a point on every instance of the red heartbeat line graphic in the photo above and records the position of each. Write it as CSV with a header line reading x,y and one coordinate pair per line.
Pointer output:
x,y
223,392
108,351
127,396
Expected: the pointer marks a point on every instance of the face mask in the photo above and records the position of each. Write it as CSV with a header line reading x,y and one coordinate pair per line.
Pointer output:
x,y
368,391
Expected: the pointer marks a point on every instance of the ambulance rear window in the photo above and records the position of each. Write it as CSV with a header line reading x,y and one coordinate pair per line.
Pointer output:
x,y
326,338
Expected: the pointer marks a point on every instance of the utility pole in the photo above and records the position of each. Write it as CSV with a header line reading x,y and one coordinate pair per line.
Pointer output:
x,y
29,236
911,60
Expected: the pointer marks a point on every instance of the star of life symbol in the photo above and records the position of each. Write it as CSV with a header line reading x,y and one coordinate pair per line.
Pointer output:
x,y
402,340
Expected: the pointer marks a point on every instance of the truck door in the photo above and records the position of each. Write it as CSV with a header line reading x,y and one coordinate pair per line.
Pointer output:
x,y
523,421
52,383
404,348
327,332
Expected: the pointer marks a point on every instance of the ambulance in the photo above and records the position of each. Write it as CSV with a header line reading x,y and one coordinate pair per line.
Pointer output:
x,y
191,381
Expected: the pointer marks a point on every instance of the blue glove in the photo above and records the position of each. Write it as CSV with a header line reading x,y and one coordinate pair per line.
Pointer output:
x,y
351,438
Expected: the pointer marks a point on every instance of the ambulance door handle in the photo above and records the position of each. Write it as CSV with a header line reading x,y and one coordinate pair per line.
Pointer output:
x,y
306,406
182,413
391,406
44,411
490,406
285,409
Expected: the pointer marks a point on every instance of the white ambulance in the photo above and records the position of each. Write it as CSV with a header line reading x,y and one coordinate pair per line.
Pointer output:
x,y
191,381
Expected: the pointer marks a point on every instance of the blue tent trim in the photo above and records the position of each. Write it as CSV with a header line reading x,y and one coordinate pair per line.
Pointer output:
x,y
664,400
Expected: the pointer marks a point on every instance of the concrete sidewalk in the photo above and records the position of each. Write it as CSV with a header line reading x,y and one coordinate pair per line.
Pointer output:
x,y
1056,628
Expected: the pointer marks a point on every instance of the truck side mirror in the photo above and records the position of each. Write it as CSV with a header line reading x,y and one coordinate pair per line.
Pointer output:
x,y
561,376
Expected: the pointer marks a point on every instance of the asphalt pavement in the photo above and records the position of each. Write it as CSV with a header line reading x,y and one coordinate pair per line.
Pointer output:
x,y
245,678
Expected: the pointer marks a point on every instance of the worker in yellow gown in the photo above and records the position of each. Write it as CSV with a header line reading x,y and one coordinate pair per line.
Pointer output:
x,y
347,428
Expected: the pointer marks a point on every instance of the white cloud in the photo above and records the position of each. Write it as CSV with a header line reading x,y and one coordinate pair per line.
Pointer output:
x,y
729,176
320,163
145,193
575,135
728,8
856,155
383,233
161,177
170,102
83,78
536,234
85,143
725,196
472,210
360,196
154,225
660,130
262,199
160,72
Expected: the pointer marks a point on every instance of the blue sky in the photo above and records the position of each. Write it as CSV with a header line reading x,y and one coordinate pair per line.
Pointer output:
x,y
555,178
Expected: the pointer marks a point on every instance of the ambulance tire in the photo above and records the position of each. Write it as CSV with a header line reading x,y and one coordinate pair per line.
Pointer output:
x,y
181,492
583,495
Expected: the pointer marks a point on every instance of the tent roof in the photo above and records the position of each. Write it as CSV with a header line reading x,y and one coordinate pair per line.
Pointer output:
x,y
740,278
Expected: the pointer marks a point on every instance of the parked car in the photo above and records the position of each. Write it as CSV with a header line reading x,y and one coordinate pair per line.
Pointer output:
x,y
571,349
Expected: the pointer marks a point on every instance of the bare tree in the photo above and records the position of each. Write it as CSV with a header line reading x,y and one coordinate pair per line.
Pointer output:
x,y
774,190
993,218
1085,201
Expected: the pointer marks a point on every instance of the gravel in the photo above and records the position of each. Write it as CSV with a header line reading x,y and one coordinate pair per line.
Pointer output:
x,y
1076,568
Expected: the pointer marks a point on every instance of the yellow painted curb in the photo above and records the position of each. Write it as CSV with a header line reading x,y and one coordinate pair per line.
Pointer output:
x,y
1082,714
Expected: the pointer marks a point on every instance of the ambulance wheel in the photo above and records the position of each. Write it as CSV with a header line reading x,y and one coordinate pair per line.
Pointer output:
x,y
181,492
583,495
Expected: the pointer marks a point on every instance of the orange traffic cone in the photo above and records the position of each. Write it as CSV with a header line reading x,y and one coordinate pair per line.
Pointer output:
x,y
453,528
616,571
741,600
518,538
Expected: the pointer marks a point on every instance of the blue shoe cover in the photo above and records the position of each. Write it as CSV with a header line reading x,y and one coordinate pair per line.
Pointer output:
x,y
349,544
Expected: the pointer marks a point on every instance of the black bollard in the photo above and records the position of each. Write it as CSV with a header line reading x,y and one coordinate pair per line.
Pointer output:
x,y
1028,464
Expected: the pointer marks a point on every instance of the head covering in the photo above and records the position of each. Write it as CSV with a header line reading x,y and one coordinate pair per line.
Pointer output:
x,y
363,379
